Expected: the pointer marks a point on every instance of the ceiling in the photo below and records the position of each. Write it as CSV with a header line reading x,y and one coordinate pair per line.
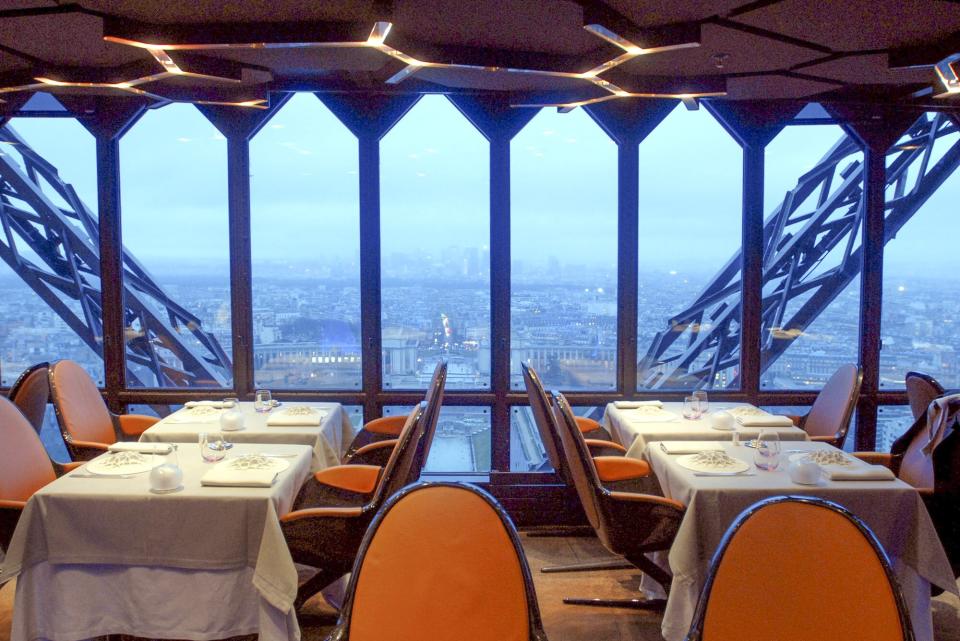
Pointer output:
x,y
565,52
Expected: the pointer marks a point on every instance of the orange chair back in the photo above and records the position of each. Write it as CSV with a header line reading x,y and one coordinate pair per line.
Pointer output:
x,y
441,562
921,389
579,462
31,393
80,409
543,418
831,412
804,568
434,401
24,464
406,458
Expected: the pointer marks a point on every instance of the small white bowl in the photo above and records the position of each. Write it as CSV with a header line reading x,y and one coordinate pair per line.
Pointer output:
x,y
804,472
723,421
231,420
166,478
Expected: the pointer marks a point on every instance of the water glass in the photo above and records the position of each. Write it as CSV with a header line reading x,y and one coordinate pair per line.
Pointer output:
x,y
691,408
262,401
704,401
766,456
211,447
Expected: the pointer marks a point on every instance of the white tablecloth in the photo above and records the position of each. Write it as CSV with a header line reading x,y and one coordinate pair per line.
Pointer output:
x,y
892,509
98,556
635,436
329,440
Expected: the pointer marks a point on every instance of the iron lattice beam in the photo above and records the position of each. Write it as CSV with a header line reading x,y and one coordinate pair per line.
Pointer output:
x,y
52,246
811,252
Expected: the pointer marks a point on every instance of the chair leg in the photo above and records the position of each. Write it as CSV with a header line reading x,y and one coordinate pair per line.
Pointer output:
x,y
614,564
633,604
654,571
313,585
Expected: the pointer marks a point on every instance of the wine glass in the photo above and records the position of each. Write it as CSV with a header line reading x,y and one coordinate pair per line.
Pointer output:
x,y
701,395
766,456
211,446
262,401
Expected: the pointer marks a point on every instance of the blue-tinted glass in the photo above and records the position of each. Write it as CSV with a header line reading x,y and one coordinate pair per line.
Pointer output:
x,y
689,232
462,440
435,226
173,168
37,315
305,223
563,226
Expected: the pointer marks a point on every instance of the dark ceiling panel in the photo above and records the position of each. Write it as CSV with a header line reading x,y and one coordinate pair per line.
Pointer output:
x,y
246,11
870,69
296,62
503,80
854,25
70,39
773,87
745,53
648,14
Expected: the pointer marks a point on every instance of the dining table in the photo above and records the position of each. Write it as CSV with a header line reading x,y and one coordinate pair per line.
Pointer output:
x,y
635,427
98,554
892,509
329,438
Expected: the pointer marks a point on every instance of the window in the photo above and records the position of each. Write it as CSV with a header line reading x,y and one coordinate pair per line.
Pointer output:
x,y
688,333
46,319
173,168
435,224
305,231
811,286
563,226
462,440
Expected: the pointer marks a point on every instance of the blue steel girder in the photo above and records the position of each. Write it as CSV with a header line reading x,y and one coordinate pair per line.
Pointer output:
x,y
54,250
811,252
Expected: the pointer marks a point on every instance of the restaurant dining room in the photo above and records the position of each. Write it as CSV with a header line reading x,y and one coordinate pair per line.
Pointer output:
x,y
397,320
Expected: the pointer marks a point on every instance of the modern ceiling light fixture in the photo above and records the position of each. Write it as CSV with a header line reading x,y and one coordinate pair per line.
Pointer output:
x,y
948,70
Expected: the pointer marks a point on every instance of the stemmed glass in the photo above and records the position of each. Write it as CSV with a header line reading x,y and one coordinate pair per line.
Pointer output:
x,y
766,456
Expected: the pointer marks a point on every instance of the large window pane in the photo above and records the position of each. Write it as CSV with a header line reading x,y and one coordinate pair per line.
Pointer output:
x,y
527,453
811,287
688,331
45,319
435,222
563,227
173,168
306,250
462,440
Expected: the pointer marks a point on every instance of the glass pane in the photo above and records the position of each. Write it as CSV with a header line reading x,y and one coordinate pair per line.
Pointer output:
x,y
563,226
527,453
688,332
173,167
44,321
305,221
920,321
462,441
811,287
892,422
435,226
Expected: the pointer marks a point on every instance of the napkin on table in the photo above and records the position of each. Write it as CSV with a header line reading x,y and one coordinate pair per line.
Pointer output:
x,y
217,405
862,473
142,448
296,416
632,405
222,476
689,447
769,420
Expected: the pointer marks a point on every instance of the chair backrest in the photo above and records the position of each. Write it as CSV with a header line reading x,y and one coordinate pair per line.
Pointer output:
x,y
24,464
919,443
402,467
441,561
80,409
543,417
806,568
921,389
831,412
31,393
434,401
579,462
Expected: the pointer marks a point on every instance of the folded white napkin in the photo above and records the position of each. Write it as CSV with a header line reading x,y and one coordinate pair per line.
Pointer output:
x,y
296,416
223,476
862,473
661,416
143,448
632,405
769,420
689,447
214,404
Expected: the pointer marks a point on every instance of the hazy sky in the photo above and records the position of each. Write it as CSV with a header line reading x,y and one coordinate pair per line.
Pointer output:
x,y
434,181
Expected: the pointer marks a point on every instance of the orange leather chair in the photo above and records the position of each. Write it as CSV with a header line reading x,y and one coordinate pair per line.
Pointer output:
x,y
441,561
921,389
372,444
88,427
336,505
628,524
24,467
31,393
829,418
788,564
927,456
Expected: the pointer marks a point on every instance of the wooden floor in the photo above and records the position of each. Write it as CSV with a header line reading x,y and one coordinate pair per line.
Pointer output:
x,y
563,622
